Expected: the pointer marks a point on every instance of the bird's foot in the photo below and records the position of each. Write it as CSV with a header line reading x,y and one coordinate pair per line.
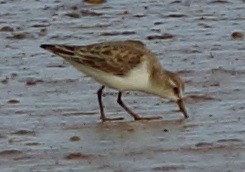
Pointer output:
x,y
147,118
111,119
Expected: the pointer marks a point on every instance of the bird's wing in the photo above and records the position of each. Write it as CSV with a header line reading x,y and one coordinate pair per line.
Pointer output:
x,y
116,57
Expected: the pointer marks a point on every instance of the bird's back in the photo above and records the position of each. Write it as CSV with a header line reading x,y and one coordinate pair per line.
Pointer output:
x,y
112,57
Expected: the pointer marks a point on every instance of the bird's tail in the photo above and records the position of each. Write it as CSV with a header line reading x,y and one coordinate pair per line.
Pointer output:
x,y
61,50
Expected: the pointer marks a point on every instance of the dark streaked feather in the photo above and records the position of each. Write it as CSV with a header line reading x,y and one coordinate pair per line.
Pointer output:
x,y
116,57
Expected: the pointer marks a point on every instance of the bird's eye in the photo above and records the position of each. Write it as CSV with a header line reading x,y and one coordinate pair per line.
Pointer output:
x,y
176,90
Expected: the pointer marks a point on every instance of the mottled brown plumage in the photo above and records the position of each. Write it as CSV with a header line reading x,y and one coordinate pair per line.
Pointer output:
x,y
116,58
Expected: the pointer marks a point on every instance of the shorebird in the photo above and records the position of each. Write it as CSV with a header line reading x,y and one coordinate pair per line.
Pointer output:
x,y
124,66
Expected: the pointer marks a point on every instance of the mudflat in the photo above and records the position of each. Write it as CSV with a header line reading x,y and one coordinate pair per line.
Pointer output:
x,y
49,114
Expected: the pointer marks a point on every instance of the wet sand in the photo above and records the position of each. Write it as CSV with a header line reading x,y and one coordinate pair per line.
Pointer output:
x,y
49,115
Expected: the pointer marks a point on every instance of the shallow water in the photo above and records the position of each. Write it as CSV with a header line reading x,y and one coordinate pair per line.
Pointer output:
x,y
49,115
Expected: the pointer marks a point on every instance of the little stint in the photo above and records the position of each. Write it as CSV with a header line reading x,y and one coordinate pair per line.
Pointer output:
x,y
124,66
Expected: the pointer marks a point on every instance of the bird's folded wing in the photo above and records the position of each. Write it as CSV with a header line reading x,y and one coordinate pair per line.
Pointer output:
x,y
116,59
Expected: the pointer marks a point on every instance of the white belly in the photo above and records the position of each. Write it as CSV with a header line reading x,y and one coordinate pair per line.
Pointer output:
x,y
136,79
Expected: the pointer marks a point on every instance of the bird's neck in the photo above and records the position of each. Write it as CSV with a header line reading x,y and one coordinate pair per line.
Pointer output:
x,y
156,80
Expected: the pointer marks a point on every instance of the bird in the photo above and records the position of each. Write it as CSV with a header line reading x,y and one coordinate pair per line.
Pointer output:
x,y
124,66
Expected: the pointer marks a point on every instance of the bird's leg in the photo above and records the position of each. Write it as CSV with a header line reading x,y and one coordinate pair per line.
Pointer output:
x,y
134,115
102,114
99,94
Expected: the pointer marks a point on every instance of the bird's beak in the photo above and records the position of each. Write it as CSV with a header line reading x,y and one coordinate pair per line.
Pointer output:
x,y
181,105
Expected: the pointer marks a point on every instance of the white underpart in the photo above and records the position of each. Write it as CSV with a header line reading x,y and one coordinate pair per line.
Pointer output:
x,y
135,79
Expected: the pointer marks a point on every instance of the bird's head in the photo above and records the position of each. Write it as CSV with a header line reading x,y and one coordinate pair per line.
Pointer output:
x,y
170,86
